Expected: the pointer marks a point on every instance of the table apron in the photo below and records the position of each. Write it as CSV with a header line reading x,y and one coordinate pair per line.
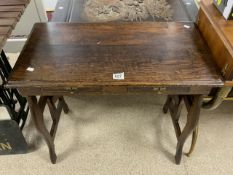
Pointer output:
x,y
166,90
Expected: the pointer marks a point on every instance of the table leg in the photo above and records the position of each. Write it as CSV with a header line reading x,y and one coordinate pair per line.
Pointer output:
x,y
194,140
64,105
191,125
56,112
166,105
173,104
37,109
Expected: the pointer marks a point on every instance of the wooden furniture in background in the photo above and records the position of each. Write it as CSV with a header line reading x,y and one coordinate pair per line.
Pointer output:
x,y
218,33
10,98
33,13
79,58
10,13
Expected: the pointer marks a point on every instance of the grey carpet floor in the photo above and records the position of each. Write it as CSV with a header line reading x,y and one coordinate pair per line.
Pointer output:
x,y
125,135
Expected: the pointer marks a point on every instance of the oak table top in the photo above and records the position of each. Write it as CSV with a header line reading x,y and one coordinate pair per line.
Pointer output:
x,y
72,55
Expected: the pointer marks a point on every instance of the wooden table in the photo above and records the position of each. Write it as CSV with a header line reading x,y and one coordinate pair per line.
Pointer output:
x,y
218,34
77,58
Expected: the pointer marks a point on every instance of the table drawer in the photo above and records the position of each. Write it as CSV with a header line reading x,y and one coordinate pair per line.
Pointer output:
x,y
98,90
159,90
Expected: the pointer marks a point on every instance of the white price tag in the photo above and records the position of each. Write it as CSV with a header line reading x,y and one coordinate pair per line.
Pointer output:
x,y
30,69
187,26
119,76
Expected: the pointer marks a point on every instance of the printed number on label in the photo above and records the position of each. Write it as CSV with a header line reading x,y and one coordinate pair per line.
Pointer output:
x,y
119,76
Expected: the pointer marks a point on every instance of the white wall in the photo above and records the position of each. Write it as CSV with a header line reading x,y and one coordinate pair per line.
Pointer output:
x,y
49,5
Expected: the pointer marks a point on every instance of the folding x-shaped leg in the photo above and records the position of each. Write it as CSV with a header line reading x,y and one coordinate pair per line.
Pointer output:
x,y
37,109
193,105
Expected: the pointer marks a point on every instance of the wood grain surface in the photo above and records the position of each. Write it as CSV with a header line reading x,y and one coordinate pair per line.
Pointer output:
x,y
10,13
14,2
70,55
2,40
8,22
13,8
5,30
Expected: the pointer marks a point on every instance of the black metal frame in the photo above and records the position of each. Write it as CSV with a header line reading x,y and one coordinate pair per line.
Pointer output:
x,y
15,104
